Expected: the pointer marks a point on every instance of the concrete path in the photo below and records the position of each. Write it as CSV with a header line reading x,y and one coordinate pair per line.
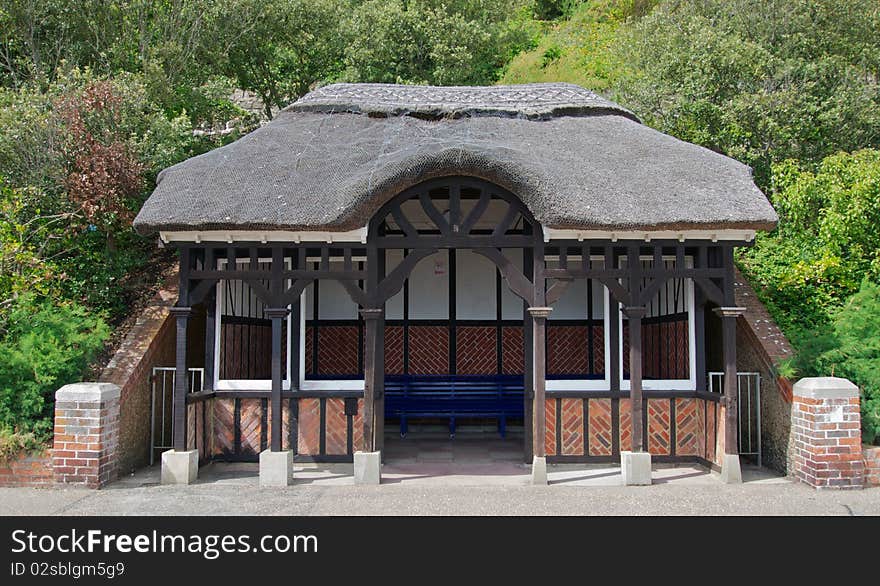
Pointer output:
x,y
446,487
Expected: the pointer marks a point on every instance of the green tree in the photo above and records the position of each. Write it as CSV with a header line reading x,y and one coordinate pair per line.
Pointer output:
x,y
464,42
761,81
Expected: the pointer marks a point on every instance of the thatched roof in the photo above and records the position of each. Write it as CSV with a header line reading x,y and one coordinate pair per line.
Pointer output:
x,y
576,160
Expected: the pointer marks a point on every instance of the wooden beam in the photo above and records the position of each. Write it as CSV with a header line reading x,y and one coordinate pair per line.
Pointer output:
x,y
514,277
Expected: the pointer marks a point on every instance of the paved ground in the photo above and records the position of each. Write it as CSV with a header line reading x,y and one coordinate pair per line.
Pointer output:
x,y
439,477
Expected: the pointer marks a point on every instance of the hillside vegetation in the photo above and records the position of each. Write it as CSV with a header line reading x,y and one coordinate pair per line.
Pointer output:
x,y
97,96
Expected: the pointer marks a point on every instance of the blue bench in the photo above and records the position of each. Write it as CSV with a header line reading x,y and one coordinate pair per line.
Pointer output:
x,y
455,396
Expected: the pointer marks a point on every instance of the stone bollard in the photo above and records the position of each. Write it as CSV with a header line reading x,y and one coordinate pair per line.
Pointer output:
x,y
86,434
826,449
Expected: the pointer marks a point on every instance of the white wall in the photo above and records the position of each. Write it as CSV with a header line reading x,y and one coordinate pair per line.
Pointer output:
x,y
475,286
429,288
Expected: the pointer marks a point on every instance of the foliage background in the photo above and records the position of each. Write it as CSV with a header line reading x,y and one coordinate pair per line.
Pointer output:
x,y
97,96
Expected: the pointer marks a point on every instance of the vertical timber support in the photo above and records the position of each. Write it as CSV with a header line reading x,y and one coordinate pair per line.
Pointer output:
x,y
539,317
367,460
528,371
635,464
181,316
635,314
730,465
276,466
277,315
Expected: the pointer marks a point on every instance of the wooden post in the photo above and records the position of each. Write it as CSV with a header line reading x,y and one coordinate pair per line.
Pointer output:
x,y
528,369
539,364
277,315
181,315
728,315
374,374
635,315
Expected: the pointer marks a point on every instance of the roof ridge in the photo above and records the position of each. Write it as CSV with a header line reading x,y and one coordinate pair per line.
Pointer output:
x,y
530,101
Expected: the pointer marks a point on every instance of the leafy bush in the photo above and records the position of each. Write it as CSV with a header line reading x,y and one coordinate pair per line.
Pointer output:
x,y
850,347
827,241
44,346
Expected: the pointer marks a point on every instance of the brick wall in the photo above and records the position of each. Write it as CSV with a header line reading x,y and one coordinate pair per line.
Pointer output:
x,y
151,342
577,427
30,470
241,428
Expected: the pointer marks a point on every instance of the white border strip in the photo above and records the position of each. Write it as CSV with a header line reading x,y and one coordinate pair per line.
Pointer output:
x,y
647,236
231,236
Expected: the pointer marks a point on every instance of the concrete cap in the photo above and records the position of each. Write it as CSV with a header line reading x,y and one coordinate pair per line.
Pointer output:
x,y
87,392
825,387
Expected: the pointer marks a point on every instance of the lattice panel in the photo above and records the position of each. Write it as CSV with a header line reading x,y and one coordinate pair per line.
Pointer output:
x,y
598,350
310,350
512,351
393,349
701,427
682,365
664,350
600,427
710,430
550,427
572,427
567,350
659,419
625,432
686,427
337,427
309,428
224,427
338,350
476,351
251,426
719,432
357,428
428,350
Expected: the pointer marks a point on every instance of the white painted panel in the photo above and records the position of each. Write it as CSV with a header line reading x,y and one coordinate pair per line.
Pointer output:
x,y
475,286
394,306
429,288
334,301
511,304
573,303
598,300
310,301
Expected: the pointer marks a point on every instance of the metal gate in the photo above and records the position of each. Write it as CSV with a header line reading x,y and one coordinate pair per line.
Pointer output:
x,y
748,385
161,395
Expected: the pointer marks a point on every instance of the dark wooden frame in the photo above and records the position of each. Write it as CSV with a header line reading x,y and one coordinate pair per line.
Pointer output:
x,y
369,286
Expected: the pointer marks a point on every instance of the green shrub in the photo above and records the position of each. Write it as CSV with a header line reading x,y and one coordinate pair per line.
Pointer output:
x,y
44,346
850,347
13,444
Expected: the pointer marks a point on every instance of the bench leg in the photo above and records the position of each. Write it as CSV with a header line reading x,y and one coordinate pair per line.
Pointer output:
x,y
502,425
403,426
452,427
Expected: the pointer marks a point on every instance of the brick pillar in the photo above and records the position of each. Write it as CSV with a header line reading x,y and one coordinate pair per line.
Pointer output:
x,y
826,433
86,434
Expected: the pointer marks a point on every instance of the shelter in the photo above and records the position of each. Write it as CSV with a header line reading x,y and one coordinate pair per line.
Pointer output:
x,y
518,252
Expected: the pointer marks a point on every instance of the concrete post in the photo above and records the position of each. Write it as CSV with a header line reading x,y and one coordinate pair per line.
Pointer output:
x,y
826,433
